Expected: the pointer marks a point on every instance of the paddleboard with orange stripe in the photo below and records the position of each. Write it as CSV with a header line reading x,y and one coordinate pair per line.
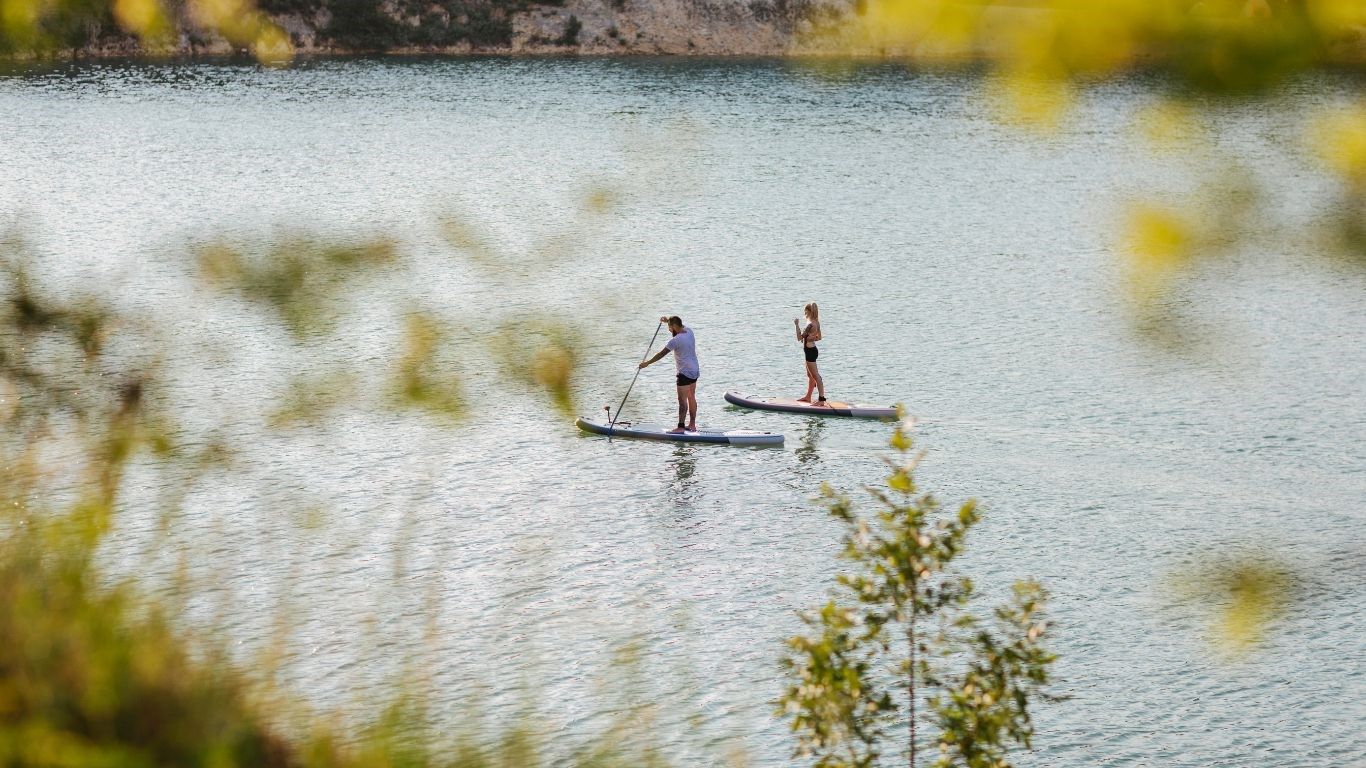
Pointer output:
x,y
829,408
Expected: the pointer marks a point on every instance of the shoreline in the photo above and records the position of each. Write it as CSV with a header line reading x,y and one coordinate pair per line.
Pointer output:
x,y
1346,64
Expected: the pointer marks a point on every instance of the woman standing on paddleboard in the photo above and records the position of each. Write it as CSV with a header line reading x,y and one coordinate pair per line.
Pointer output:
x,y
808,337
685,361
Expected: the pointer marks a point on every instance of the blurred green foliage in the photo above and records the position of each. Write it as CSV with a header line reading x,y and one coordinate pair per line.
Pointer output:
x,y
310,398
301,280
1209,55
91,676
94,671
421,381
541,355
1217,47
901,621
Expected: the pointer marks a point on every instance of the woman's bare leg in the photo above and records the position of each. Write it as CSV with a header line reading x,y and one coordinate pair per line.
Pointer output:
x,y
813,375
810,386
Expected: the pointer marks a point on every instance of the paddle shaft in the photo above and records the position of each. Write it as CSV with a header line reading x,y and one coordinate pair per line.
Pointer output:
x,y
613,420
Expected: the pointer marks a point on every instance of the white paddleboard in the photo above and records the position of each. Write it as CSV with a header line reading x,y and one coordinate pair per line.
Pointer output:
x,y
659,432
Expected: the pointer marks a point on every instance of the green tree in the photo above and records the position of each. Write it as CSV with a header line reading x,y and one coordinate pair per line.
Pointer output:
x,y
901,620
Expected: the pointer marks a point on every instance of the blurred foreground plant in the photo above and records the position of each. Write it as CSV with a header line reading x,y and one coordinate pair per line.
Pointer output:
x,y
102,669
1228,58
1208,52
43,27
89,674
92,675
1212,46
1245,596
978,678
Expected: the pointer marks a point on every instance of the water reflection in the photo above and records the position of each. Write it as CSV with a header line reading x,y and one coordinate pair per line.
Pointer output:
x,y
683,490
808,452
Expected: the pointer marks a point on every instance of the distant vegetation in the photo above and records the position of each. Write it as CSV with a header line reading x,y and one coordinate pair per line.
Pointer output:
x,y
571,31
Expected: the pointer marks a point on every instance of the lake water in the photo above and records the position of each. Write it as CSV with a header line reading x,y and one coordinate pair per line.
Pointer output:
x,y
963,267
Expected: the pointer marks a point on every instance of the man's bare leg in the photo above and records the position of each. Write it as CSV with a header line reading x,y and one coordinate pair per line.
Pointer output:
x,y
682,411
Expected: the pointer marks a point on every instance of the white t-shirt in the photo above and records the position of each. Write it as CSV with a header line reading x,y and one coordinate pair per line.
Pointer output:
x,y
685,353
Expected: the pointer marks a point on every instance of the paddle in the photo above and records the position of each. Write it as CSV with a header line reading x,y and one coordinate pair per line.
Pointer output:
x,y
612,421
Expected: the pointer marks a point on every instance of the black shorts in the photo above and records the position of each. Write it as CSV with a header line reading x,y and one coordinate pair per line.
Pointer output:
x,y
684,381
811,354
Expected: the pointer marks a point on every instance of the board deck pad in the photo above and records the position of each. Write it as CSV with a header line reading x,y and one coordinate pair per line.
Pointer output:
x,y
792,405
661,432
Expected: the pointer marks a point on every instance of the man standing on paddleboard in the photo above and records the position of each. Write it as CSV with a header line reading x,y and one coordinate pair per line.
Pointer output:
x,y
685,362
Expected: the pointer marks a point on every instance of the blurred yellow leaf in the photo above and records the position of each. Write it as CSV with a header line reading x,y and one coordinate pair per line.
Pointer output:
x,y
216,13
219,264
1031,98
472,243
243,25
900,440
272,45
1339,138
1159,245
600,199
19,21
1247,594
1097,38
1167,126
143,18
300,279
1338,15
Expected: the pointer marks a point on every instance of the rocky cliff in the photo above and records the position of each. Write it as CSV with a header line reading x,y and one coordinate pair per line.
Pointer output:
x,y
594,27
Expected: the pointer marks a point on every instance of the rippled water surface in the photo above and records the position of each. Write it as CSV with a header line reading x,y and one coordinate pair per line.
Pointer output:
x,y
963,267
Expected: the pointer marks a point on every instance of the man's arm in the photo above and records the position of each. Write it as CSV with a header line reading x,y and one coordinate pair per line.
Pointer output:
x,y
654,359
